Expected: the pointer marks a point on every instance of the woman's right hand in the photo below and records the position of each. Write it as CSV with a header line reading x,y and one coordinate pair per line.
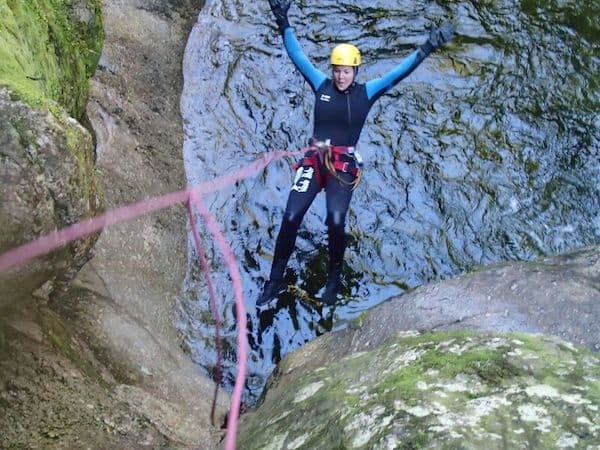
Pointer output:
x,y
280,10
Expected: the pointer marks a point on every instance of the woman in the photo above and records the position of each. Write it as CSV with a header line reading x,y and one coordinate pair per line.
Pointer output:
x,y
332,163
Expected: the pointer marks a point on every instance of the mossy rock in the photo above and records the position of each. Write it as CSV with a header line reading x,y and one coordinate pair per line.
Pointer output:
x,y
437,390
48,183
49,49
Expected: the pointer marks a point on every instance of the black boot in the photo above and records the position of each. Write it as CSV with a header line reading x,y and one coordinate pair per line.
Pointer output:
x,y
271,289
332,287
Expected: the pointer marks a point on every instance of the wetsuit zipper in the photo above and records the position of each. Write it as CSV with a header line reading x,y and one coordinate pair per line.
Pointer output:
x,y
349,112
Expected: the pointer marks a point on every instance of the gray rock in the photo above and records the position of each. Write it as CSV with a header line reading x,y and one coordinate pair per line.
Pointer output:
x,y
48,183
380,384
557,296
123,301
436,390
99,363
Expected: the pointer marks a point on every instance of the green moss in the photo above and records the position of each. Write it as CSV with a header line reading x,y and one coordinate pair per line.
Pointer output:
x,y
23,130
487,153
359,321
403,383
558,372
532,343
62,340
549,193
490,365
73,138
367,396
531,167
47,54
78,144
580,16
594,392
402,285
414,441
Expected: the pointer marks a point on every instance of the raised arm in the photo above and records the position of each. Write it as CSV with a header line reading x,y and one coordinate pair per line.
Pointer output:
x,y
311,74
437,38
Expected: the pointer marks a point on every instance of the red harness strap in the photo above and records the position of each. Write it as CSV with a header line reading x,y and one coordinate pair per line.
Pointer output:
x,y
333,158
339,163
312,158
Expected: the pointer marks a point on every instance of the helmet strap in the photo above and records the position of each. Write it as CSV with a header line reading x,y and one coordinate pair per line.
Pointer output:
x,y
355,73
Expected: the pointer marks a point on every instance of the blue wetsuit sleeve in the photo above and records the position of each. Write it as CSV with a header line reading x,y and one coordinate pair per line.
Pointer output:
x,y
311,74
378,86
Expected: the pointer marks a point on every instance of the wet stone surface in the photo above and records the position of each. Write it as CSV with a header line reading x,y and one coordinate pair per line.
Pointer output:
x,y
436,390
488,152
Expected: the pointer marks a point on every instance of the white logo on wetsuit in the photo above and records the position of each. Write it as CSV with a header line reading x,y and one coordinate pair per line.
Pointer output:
x,y
325,98
302,179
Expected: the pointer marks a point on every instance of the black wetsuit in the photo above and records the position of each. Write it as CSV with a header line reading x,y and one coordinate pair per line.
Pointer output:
x,y
338,117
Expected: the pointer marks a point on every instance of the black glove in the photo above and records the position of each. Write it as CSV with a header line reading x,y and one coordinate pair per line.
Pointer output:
x,y
280,10
438,37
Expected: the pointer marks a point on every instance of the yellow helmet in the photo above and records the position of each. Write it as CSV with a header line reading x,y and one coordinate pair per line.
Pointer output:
x,y
345,55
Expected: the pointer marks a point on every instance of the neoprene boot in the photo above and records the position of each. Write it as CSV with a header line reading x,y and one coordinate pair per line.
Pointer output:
x,y
332,287
271,289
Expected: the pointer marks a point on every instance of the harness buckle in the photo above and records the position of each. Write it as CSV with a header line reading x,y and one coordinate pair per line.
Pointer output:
x,y
321,145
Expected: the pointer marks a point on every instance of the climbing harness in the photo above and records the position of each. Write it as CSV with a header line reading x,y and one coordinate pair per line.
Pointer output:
x,y
346,160
335,158
305,168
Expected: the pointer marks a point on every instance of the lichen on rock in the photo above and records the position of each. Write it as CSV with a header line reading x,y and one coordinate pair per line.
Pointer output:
x,y
48,183
438,390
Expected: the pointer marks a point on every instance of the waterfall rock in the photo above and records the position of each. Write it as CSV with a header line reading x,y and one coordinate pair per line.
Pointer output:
x,y
436,390
48,183
97,363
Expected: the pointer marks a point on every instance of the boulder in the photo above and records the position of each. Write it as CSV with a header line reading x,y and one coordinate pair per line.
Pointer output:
x,y
97,363
435,390
47,177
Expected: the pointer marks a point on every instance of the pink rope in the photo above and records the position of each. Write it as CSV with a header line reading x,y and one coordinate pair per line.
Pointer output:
x,y
44,245
213,306
242,354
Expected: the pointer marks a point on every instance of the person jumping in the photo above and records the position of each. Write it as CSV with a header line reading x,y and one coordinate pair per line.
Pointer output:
x,y
332,162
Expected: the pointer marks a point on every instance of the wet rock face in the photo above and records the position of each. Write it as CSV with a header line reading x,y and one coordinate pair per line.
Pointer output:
x,y
97,365
440,390
49,49
487,152
47,184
